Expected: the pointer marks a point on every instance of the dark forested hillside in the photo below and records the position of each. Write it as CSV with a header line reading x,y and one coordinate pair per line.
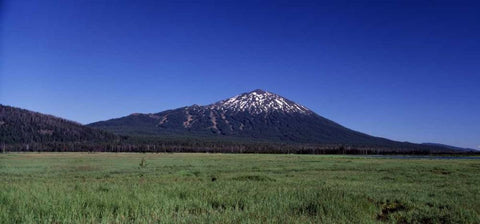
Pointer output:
x,y
19,126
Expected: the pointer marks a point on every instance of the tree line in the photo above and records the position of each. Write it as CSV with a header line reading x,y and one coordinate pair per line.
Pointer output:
x,y
180,145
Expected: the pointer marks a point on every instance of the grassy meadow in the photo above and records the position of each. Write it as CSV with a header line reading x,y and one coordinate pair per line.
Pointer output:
x,y
235,188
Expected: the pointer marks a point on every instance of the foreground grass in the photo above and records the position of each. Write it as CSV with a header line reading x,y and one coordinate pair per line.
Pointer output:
x,y
235,188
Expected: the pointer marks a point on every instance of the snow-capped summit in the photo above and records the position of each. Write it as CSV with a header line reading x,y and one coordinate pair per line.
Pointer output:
x,y
259,101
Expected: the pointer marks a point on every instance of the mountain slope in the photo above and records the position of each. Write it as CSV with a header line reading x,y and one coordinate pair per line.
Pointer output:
x,y
24,126
453,148
255,115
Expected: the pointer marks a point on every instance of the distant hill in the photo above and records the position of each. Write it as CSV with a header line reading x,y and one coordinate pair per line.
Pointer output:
x,y
23,126
256,115
450,147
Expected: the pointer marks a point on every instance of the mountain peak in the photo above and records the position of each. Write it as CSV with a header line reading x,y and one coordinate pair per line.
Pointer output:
x,y
258,91
259,101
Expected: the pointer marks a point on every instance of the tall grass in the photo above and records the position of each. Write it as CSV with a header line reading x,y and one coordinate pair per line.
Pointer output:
x,y
219,188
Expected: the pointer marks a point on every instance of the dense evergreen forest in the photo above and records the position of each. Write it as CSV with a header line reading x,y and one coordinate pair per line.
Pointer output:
x,y
19,126
155,144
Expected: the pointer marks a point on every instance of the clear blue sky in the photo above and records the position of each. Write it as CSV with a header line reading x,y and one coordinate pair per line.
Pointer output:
x,y
405,70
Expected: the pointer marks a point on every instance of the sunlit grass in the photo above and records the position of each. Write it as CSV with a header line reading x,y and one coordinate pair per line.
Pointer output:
x,y
235,188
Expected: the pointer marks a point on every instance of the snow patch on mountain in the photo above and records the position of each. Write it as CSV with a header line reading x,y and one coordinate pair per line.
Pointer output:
x,y
259,101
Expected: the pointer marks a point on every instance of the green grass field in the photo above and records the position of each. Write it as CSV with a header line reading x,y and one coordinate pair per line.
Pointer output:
x,y
235,188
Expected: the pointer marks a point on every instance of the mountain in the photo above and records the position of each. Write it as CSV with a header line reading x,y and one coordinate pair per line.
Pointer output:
x,y
19,126
255,122
256,115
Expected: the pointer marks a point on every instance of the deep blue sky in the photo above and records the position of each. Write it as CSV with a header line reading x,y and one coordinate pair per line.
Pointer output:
x,y
405,70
